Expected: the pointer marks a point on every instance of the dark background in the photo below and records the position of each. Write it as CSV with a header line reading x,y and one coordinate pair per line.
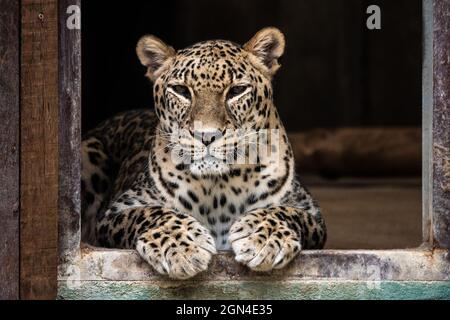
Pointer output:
x,y
336,72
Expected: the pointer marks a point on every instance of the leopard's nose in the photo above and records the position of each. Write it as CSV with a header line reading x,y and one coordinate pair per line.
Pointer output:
x,y
207,137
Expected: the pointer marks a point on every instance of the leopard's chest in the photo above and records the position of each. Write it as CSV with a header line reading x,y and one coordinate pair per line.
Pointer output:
x,y
217,203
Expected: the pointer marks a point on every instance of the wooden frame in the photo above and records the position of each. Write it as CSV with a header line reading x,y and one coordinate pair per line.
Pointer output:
x,y
39,150
70,135
440,199
50,114
97,273
9,148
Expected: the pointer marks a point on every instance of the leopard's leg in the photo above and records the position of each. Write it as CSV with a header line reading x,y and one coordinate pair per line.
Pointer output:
x,y
174,244
96,183
266,239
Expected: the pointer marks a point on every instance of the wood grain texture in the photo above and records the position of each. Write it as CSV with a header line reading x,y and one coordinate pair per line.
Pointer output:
x,y
441,124
70,134
9,149
427,122
39,150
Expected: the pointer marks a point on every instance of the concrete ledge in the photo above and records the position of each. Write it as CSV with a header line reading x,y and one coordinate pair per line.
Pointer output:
x,y
255,290
389,265
348,274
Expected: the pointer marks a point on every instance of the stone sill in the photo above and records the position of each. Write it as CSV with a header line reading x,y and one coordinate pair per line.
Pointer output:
x,y
94,264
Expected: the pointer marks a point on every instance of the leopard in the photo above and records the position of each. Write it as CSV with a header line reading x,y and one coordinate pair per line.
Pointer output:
x,y
165,181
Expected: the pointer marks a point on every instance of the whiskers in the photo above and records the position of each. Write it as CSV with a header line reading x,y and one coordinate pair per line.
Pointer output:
x,y
245,146
238,147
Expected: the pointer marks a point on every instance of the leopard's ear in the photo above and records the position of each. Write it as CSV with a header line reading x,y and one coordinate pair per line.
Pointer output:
x,y
154,54
268,46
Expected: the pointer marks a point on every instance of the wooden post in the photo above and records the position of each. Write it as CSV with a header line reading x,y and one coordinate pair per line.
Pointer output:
x,y
441,124
9,149
70,134
39,150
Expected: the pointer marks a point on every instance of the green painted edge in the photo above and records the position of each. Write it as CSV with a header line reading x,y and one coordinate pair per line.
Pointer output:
x,y
254,290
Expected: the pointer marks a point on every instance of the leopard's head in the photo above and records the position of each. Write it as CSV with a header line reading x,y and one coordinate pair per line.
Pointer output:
x,y
211,95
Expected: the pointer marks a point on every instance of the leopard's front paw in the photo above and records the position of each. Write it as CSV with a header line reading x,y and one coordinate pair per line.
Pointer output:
x,y
263,241
179,247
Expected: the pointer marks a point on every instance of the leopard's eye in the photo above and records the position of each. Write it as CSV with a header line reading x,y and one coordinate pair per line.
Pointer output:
x,y
236,91
182,91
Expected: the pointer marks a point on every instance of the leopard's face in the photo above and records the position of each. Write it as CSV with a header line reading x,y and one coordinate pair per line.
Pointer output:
x,y
211,96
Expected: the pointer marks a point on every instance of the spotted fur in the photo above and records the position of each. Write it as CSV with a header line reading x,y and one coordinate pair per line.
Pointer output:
x,y
175,214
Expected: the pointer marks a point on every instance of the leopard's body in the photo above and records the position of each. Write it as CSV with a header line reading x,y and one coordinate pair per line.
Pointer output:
x,y
178,213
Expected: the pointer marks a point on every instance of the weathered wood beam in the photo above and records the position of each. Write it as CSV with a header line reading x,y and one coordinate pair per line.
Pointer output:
x,y
441,124
9,148
69,134
39,150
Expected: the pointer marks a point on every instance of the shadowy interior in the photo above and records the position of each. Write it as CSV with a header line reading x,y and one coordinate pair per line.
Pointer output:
x,y
350,97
